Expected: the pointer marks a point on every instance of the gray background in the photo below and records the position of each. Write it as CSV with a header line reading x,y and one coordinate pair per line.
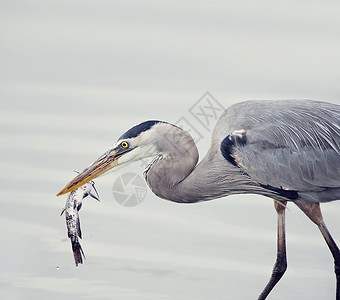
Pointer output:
x,y
76,74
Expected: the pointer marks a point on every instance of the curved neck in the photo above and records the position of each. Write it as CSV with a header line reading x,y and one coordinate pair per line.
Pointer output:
x,y
175,176
206,181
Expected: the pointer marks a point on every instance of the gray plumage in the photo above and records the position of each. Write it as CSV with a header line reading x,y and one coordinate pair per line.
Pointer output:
x,y
290,146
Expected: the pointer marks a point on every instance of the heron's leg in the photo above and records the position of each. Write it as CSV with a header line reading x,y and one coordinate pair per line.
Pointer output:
x,y
281,259
313,212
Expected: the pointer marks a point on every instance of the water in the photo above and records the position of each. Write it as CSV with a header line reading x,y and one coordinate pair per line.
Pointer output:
x,y
75,77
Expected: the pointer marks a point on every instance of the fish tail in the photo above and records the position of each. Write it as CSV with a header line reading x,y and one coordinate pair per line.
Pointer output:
x,y
78,252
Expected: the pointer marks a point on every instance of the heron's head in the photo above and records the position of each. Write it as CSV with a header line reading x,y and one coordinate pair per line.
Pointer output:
x,y
148,139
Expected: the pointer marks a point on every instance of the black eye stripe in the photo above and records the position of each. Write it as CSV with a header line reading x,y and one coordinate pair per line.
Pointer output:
x,y
138,129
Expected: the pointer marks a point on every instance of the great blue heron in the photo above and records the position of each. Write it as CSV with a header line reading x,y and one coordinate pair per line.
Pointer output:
x,y
285,150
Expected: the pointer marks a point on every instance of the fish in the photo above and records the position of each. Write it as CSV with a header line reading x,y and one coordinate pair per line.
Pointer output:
x,y
72,207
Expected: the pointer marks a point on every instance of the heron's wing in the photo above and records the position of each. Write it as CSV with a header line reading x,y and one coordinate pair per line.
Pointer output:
x,y
295,147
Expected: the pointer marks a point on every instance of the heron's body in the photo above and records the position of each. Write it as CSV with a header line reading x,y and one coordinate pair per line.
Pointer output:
x,y
255,150
285,150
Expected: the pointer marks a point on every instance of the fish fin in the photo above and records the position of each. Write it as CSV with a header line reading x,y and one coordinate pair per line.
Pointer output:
x,y
95,197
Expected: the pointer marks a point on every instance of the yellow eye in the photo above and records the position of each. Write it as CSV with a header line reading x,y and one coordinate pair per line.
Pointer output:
x,y
124,144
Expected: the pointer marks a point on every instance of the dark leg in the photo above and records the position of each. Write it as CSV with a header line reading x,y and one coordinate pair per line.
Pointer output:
x,y
313,212
281,260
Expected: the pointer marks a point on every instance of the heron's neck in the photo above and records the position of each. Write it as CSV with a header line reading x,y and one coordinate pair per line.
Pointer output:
x,y
179,179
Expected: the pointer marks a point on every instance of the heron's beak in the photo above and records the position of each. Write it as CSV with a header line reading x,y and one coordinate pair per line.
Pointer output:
x,y
103,164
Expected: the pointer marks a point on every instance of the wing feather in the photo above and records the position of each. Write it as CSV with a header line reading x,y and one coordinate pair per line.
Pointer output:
x,y
290,144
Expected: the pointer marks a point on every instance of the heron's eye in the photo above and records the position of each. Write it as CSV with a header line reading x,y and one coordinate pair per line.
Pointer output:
x,y
125,144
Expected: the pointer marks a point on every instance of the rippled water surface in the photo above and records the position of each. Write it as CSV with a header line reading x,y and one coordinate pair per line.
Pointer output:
x,y
76,75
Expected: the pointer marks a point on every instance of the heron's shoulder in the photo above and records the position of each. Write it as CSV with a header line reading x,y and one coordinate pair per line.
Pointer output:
x,y
264,112
254,107
290,123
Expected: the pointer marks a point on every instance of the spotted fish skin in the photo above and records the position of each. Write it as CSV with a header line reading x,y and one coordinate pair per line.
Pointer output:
x,y
71,210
